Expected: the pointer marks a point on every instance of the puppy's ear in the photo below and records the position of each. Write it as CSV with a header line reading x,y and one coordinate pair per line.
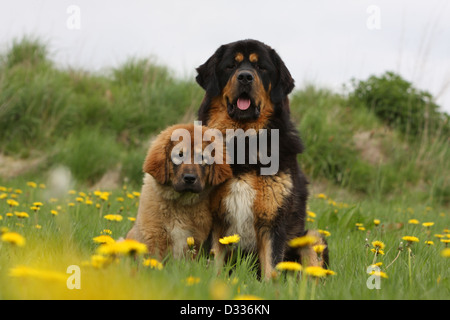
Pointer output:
x,y
220,173
284,84
157,161
207,77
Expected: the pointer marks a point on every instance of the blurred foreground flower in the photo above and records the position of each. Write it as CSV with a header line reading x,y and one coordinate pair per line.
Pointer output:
x,y
27,272
13,238
126,247
302,241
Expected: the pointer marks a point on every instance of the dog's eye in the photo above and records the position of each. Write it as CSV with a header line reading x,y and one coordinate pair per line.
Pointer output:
x,y
230,67
180,154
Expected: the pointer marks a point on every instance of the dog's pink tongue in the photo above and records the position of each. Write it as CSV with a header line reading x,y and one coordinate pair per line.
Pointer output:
x,y
243,103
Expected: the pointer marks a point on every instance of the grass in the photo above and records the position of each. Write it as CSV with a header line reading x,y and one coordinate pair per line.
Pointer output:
x,y
67,239
69,129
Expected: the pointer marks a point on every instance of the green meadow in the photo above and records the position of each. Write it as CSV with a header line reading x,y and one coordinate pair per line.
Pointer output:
x,y
72,144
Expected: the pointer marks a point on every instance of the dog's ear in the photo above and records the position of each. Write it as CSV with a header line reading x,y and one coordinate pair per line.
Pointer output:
x,y
207,77
220,173
157,161
284,82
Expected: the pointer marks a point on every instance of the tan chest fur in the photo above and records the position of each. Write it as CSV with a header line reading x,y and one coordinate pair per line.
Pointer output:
x,y
166,218
249,198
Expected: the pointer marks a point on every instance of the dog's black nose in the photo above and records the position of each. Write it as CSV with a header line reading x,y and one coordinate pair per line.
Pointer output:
x,y
245,77
189,178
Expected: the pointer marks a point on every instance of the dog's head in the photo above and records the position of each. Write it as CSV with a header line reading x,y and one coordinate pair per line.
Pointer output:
x,y
177,159
247,77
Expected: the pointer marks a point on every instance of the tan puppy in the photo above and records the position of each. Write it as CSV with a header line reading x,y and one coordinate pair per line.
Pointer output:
x,y
175,197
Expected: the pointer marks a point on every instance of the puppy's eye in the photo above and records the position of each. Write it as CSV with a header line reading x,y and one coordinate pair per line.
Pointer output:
x,y
180,154
230,67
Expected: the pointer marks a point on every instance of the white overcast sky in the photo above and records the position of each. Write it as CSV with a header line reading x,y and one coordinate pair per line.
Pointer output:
x,y
325,42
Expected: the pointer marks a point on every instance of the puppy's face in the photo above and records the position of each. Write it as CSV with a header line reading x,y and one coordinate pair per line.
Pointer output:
x,y
248,76
181,163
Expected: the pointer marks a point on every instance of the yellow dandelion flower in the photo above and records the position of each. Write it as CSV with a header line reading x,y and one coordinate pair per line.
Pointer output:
x,y
191,280
103,239
136,194
153,264
379,274
378,264
46,275
376,222
413,221
302,241
13,238
99,261
429,242
325,233
32,184
358,224
315,271
311,214
190,241
288,266
54,212
120,199
113,217
21,215
445,253
446,241
361,228
329,272
319,248
125,247
79,199
377,251
410,239
427,224
230,239
12,203
38,204
131,219
378,244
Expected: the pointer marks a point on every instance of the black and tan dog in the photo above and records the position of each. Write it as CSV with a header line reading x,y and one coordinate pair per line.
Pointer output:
x,y
175,197
247,86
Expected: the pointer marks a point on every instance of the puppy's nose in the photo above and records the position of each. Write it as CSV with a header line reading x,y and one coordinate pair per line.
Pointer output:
x,y
245,77
189,178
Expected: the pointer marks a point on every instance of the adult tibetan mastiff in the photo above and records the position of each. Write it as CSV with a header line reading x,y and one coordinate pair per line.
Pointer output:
x,y
247,86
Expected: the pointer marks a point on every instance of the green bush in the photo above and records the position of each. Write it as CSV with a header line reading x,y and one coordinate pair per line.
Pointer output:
x,y
399,104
